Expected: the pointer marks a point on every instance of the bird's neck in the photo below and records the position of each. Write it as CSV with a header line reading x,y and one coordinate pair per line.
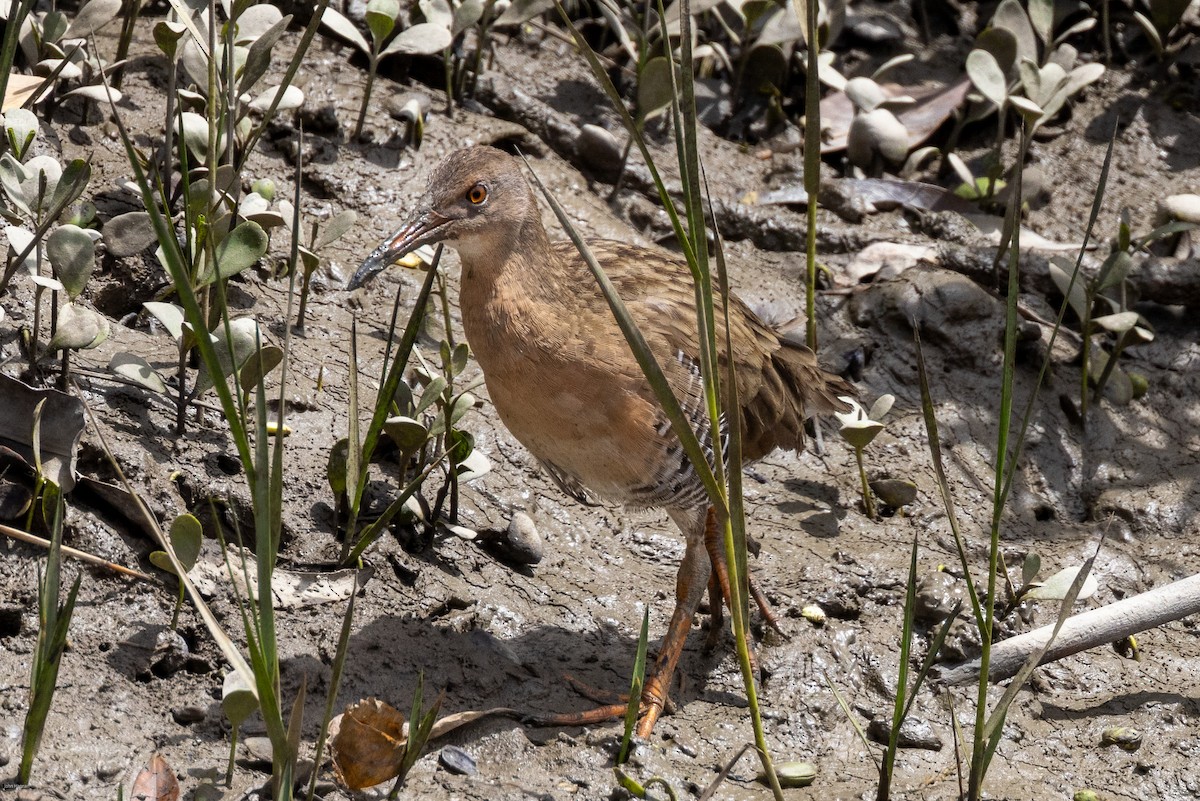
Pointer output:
x,y
515,289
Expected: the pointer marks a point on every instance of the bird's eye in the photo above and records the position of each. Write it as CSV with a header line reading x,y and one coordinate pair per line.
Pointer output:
x,y
477,194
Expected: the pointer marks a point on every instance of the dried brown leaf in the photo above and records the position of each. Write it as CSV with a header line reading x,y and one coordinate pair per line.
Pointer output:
x,y
155,782
367,741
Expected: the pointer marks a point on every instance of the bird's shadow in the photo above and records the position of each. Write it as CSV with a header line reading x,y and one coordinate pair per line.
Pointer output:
x,y
813,506
534,673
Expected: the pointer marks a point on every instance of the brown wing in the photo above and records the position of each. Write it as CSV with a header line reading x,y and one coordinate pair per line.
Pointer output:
x,y
780,383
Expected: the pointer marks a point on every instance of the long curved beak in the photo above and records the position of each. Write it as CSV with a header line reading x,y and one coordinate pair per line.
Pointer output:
x,y
423,229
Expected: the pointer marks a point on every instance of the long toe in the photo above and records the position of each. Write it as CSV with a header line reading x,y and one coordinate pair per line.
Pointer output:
x,y
654,700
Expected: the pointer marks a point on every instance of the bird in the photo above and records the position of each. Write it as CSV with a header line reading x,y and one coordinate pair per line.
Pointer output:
x,y
565,383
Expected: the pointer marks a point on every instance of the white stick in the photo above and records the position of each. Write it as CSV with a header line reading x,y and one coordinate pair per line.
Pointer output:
x,y
1087,630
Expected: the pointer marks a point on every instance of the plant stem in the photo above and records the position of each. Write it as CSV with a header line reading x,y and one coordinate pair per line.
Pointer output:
x,y
868,497
372,65
812,168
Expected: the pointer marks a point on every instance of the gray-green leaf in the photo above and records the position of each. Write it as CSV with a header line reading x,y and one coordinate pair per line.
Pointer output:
x,y
72,254
129,233
134,368
420,40
986,75
244,246
79,328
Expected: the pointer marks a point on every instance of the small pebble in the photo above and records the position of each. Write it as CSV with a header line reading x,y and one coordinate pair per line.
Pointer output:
x,y
598,148
170,654
259,748
895,492
914,733
1122,737
457,761
185,715
937,594
523,544
1185,208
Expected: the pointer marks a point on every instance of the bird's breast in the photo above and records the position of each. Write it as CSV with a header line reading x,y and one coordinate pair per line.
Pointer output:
x,y
566,386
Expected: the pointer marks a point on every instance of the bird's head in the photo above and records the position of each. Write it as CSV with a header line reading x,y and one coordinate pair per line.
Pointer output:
x,y
477,200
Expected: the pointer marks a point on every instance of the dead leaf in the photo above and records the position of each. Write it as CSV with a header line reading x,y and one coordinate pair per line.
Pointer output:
x,y
156,782
20,88
895,257
367,741
290,589
451,722
62,426
933,106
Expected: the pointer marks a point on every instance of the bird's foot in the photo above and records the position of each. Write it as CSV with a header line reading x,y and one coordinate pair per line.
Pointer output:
x,y
654,700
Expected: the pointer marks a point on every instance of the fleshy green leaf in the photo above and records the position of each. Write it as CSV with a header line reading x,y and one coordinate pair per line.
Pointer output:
x,y
1061,276
335,21
129,233
241,344
186,535
170,315
654,91
1055,588
244,246
134,368
381,18
72,254
986,75
407,433
419,40
92,17
79,328
336,228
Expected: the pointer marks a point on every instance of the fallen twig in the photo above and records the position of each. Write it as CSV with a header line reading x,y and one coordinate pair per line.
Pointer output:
x,y
1083,631
83,556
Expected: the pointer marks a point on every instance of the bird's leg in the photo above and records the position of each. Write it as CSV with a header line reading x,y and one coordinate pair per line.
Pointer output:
x,y
690,583
716,554
716,613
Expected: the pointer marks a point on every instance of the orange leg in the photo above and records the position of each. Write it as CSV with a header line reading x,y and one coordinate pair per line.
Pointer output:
x,y
716,613
716,554
690,583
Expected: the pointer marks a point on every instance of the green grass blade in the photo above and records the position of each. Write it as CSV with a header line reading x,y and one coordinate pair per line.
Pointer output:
x,y
1097,201
289,75
372,532
939,470
993,727
635,687
618,104
397,364
180,278
852,717
901,702
812,168
335,683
